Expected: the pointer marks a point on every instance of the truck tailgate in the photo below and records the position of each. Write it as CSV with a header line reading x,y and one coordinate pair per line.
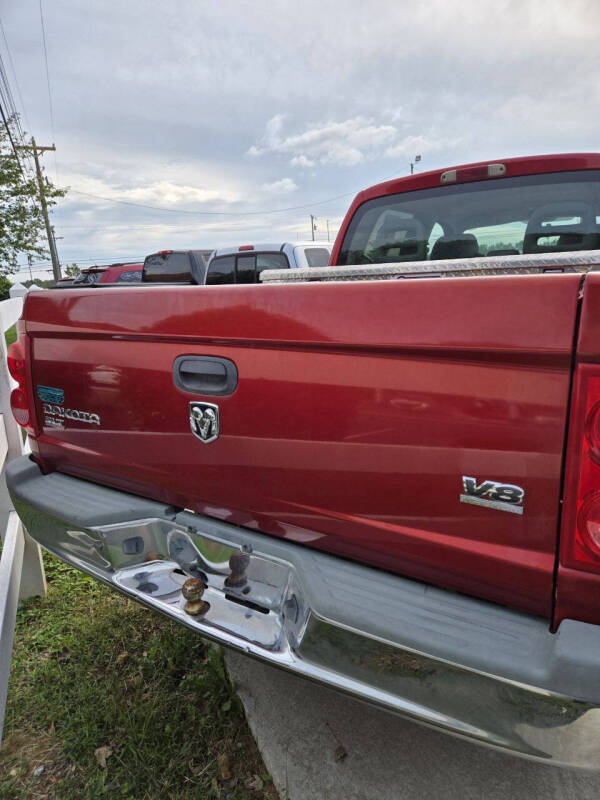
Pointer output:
x,y
359,408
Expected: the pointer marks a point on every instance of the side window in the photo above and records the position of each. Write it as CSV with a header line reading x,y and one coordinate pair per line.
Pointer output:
x,y
246,269
221,270
271,261
316,256
397,236
133,276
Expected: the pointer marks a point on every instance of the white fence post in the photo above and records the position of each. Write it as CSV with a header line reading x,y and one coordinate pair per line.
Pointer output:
x,y
10,578
21,567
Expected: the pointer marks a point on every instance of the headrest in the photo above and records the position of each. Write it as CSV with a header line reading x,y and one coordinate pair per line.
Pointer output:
x,y
559,227
460,245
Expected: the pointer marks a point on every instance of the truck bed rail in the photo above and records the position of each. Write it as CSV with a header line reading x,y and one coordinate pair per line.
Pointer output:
x,y
535,263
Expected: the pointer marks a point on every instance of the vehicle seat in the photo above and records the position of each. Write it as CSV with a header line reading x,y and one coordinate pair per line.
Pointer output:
x,y
460,245
402,241
542,236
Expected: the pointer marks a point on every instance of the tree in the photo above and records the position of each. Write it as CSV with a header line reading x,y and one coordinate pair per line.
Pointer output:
x,y
5,285
22,229
72,271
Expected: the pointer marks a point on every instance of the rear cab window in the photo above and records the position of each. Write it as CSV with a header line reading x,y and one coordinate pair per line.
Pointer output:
x,y
221,270
317,256
271,261
164,267
243,268
548,213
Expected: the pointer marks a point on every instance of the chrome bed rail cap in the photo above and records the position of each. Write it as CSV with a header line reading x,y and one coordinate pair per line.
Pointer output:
x,y
536,263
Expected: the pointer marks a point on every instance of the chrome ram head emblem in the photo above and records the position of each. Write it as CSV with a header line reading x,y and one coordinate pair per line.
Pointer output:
x,y
204,421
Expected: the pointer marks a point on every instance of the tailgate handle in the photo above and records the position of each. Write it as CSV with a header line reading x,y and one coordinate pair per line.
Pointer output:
x,y
205,375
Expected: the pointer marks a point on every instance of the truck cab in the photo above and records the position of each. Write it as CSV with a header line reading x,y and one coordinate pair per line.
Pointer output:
x,y
244,263
176,266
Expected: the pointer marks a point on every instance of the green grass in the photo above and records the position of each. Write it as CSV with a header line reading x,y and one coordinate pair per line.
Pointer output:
x,y
92,669
11,335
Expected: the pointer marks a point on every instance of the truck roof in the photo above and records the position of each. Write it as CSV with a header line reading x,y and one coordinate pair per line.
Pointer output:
x,y
477,170
202,251
269,247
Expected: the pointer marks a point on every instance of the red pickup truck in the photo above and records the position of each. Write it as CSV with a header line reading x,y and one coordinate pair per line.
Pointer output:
x,y
383,475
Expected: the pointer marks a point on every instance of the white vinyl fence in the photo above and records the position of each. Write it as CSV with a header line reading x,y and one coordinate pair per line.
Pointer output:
x,y
21,568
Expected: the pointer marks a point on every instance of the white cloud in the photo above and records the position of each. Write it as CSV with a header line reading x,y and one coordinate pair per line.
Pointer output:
x,y
301,161
345,143
280,187
131,183
167,193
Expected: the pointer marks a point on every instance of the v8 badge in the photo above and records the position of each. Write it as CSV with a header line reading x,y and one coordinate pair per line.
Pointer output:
x,y
501,496
204,421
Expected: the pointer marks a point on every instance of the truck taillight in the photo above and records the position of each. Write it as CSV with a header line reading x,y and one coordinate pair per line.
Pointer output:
x,y
580,539
592,432
21,399
588,523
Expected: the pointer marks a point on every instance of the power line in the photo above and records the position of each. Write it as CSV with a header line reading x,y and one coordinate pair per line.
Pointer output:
x,y
12,142
220,213
14,72
48,83
128,226
7,97
6,92
9,113
42,265
211,213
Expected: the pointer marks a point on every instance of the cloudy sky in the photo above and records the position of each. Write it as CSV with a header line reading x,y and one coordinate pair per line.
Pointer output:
x,y
283,108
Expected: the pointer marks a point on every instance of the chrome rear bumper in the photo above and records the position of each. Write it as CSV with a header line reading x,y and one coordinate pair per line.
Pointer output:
x,y
464,666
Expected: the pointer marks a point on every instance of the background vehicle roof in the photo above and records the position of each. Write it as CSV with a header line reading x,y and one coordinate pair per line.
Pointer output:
x,y
269,247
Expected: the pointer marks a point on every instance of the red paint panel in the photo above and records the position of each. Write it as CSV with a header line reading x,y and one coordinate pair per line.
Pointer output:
x,y
358,409
484,316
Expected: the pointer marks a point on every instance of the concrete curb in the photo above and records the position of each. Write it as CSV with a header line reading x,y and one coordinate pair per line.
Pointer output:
x,y
319,745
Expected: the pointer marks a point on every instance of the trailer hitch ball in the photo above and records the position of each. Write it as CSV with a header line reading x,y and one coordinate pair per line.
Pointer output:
x,y
238,564
192,590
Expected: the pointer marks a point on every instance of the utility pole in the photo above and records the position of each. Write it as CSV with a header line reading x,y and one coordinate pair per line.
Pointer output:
x,y
327,230
312,226
49,230
412,164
